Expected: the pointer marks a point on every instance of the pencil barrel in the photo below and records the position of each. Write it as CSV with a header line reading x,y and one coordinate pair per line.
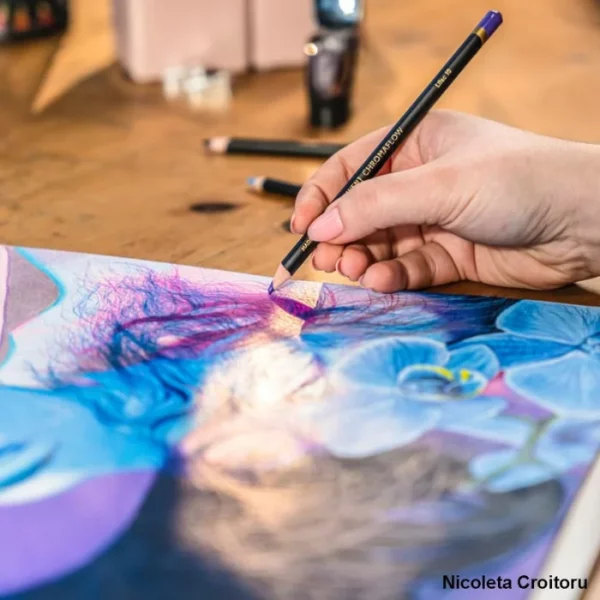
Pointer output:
x,y
281,148
283,188
415,114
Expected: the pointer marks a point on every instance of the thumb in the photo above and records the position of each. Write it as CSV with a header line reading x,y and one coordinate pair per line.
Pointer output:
x,y
420,196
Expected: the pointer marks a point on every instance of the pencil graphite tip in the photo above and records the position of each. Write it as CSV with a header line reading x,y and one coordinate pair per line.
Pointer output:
x,y
280,277
491,22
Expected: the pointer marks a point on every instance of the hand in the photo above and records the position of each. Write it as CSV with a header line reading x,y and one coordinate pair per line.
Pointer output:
x,y
463,199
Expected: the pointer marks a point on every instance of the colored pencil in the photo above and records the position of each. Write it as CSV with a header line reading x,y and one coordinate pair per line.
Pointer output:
x,y
226,145
398,133
274,186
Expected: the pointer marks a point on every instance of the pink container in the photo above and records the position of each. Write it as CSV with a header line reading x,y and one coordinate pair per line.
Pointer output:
x,y
154,35
278,31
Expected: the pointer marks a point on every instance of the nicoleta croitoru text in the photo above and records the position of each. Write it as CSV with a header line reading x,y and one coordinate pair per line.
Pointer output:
x,y
524,582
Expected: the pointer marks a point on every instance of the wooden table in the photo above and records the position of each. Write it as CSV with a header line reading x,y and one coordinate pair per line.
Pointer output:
x,y
112,169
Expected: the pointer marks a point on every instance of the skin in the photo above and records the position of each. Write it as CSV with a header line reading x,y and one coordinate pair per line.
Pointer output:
x,y
463,199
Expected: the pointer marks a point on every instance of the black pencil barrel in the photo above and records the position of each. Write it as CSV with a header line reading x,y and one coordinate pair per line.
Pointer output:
x,y
283,188
281,148
397,135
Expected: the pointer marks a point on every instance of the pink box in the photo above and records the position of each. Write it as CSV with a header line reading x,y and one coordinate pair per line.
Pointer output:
x,y
154,35
278,31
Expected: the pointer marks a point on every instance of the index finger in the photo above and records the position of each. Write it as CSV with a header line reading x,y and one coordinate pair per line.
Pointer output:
x,y
324,185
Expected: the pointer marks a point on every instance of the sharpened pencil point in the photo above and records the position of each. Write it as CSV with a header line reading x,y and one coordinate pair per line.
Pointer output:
x,y
271,289
255,183
280,277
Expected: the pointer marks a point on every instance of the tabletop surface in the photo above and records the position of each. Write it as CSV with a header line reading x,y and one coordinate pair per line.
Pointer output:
x,y
110,168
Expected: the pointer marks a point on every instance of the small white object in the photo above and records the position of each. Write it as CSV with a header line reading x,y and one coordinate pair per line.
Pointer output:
x,y
173,79
212,91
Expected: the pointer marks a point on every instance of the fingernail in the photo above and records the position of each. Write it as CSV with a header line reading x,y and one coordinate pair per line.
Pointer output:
x,y
327,227
361,281
292,228
338,265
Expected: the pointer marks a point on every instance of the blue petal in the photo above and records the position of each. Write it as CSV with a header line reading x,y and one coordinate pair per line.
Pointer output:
x,y
569,443
516,350
521,476
548,321
500,471
569,385
373,427
475,358
468,411
379,363
503,429
483,466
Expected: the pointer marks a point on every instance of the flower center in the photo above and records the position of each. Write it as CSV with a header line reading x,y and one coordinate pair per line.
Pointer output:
x,y
437,384
592,344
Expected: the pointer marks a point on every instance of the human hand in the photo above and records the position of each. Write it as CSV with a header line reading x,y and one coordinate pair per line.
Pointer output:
x,y
463,199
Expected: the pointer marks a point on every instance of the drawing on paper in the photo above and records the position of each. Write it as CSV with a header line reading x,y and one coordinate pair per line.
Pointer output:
x,y
169,431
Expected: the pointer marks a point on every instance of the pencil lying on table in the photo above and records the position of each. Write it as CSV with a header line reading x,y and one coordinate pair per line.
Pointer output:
x,y
227,145
274,186
398,134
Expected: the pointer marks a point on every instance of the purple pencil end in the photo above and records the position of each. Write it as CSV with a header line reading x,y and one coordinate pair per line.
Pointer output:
x,y
491,22
271,289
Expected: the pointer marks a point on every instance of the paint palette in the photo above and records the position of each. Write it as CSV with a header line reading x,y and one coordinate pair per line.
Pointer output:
x,y
24,19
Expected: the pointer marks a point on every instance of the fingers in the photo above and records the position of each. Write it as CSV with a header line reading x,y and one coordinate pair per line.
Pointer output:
x,y
422,196
325,184
325,257
428,266
349,261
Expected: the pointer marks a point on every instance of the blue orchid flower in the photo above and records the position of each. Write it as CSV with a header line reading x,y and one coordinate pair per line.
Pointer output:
x,y
389,392
551,354
562,445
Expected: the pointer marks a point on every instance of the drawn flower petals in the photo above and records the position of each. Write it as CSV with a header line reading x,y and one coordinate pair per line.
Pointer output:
x,y
380,362
569,443
569,385
495,471
372,428
553,322
503,429
475,358
515,350
471,410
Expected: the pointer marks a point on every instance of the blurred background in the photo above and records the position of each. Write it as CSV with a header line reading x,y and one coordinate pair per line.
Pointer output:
x,y
104,106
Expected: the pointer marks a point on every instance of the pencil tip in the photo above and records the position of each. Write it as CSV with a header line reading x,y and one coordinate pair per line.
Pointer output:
x,y
256,183
271,289
280,277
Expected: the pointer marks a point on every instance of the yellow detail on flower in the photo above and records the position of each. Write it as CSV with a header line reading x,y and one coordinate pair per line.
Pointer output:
x,y
446,373
464,375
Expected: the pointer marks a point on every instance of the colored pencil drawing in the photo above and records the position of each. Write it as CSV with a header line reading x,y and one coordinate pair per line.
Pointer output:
x,y
167,431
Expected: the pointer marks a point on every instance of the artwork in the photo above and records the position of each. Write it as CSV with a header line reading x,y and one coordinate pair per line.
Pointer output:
x,y
174,432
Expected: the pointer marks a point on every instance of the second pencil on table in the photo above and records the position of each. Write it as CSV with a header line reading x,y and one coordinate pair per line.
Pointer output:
x,y
273,186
